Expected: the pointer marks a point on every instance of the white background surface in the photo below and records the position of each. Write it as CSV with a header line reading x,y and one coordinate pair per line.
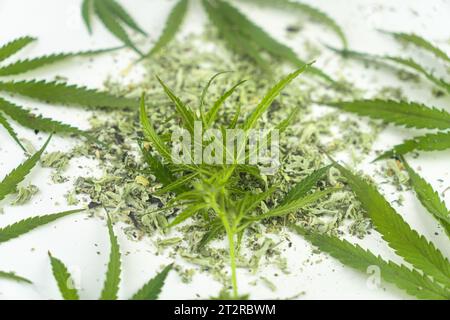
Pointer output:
x,y
77,239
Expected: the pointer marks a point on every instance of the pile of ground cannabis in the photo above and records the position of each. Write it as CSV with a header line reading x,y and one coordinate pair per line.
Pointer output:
x,y
126,188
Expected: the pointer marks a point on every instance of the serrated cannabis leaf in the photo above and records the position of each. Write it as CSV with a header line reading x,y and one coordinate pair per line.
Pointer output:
x,y
19,228
63,279
151,135
172,26
61,92
263,39
314,13
9,183
406,242
419,42
360,259
4,123
123,15
113,16
22,66
12,276
270,97
14,46
37,122
429,142
303,187
408,114
184,111
429,198
86,11
408,63
152,289
112,280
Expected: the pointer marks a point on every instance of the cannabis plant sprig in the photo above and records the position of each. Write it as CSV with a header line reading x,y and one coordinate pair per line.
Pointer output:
x,y
216,190
114,17
64,280
49,92
433,283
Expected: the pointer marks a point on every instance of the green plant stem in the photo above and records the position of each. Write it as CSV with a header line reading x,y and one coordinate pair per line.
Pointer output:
x,y
232,250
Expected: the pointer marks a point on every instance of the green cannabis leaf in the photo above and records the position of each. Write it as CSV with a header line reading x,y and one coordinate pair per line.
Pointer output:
x,y
316,14
429,198
407,63
173,24
408,114
420,42
14,277
412,281
9,183
49,92
112,281
152,289
429,142
406,242
63,279
247,38
114,17
19,228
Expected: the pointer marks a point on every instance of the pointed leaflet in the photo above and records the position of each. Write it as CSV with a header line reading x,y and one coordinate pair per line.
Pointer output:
x,y
270,97
429,142
186,114
173,24
63,279
14,46
123,15
151,135
19,228
233,37
420,42
110,22
152,289
86,9
293,205
29,120
9,183
356,257
408,114
158,169
264,40
11,132
303,187
408,63
61,92
186,214
314,13
406,242
112,281
26,65
212,113
14,277
429,198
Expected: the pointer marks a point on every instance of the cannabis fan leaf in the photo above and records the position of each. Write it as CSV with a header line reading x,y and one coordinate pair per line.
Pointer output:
x,y
114,17
49,92
66,285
